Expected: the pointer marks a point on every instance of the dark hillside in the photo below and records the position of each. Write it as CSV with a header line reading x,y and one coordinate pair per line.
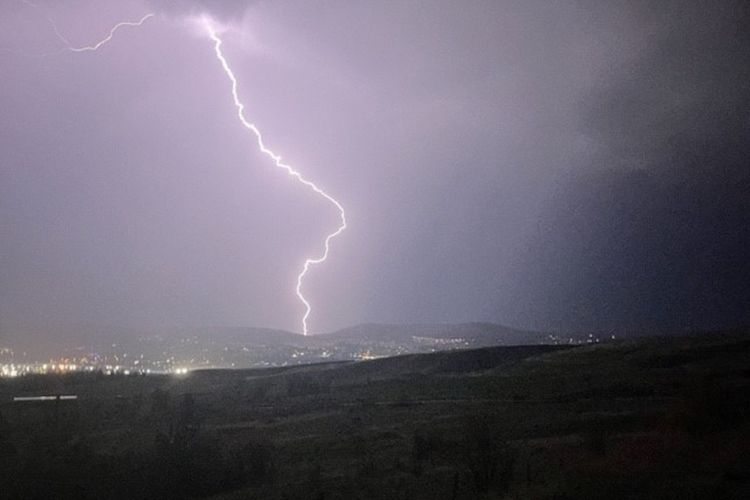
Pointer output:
x,y
642,418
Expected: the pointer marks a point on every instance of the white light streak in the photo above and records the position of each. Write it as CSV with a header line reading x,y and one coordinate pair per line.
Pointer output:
x,y
61,397
86,48
111,34
279,164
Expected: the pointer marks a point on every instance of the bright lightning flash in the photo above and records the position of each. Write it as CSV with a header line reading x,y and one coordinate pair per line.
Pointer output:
x,y
247,124
279,164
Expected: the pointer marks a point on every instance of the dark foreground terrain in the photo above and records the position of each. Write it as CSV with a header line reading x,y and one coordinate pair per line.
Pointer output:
x,y
654,418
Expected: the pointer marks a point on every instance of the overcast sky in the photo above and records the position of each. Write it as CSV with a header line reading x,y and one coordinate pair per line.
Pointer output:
x,y
542,164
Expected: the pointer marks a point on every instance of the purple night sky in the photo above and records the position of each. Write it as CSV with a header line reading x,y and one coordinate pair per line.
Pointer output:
x,y
548,165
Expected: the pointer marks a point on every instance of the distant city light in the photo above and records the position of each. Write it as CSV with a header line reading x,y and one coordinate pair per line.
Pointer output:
x,y
156,355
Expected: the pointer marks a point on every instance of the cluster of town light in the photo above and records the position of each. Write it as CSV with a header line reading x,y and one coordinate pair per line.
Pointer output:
x,y
12,370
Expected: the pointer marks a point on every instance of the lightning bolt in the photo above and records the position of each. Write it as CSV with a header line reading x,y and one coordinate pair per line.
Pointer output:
x,y
310,261
117,26
49,20
86,48
283,166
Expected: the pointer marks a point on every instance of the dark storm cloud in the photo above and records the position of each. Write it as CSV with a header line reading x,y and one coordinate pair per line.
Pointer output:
x,y
653,232
686,90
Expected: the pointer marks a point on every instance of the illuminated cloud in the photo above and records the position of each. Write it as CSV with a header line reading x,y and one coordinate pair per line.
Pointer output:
x,y
224,10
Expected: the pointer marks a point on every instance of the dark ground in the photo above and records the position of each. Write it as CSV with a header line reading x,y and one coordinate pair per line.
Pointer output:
x,y
651,418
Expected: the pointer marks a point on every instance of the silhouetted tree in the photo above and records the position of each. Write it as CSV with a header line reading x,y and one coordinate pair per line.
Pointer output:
x,y
186,412
256,462
7,450
490,461
160,401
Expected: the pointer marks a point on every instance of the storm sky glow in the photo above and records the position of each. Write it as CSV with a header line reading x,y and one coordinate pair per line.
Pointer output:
x,y
544,165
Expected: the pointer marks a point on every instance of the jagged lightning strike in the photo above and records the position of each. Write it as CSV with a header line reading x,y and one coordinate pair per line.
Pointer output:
x,y
108,37
279,164
86,48
213,35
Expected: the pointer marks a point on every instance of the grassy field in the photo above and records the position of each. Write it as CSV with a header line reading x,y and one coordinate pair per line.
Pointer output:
x,y
646,418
